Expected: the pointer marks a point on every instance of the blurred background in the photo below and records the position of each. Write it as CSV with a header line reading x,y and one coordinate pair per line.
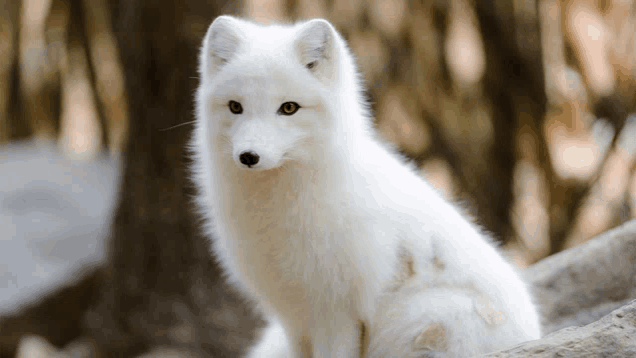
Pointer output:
x,y
522,111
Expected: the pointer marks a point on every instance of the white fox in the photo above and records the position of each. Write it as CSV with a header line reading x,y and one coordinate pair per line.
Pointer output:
x,y
347,251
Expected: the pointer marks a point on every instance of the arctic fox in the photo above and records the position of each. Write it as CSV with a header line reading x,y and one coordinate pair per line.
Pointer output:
x,y
347,251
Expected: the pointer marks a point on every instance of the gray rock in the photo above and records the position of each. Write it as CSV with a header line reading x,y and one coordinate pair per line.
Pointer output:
x,y
580,285
612,336
586,296
32,346
55,214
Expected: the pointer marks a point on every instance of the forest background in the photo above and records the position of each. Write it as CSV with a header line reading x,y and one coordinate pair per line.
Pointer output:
x,y
522,111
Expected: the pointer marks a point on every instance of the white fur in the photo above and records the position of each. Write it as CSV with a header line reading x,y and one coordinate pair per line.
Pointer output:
x,y
318,232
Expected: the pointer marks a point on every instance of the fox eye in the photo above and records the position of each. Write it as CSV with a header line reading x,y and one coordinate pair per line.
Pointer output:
x,y
235,107
288,108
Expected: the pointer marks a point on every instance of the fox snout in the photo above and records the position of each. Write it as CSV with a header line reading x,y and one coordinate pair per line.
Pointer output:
x,y
257,145
257,159
249,158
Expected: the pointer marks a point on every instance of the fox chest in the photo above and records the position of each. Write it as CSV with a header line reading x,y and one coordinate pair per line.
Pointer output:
x,y
291,257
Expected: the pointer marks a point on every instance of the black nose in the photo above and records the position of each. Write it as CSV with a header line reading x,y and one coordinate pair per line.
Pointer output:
x,y
249,158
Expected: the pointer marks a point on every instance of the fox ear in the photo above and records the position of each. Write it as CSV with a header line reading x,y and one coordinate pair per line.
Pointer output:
x,y
316,47
219,45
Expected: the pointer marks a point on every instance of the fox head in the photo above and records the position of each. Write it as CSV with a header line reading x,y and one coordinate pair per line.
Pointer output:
x,y
267,92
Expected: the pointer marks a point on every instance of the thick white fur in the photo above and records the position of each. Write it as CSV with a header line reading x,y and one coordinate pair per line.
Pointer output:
x,y
331,229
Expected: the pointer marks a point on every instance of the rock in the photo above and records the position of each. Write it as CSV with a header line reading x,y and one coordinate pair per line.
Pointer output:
x,y
55,216
586,296
612,336
582,284
168,352
33,346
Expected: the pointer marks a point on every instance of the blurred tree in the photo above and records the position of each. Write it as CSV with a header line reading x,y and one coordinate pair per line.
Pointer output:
x,y
514,86
162,287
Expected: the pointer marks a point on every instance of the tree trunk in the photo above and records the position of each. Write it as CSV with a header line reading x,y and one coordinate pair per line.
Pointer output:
x,y
163,288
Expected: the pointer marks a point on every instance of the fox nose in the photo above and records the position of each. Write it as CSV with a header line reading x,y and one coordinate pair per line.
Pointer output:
x,y
249,158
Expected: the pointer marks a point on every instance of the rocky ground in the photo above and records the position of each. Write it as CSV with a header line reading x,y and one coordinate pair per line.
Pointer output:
x,y
54,216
